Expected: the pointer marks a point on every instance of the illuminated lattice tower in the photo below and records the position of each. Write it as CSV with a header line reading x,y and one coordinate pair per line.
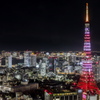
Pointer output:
x,y
87,82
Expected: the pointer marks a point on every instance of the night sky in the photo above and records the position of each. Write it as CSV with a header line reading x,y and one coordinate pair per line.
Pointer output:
x,y
56,25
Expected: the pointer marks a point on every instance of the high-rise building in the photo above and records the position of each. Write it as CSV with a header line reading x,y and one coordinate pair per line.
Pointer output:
x,y
10,61
51,64
0,60
96,71
87,82
6,61
27,58
33,60
43,69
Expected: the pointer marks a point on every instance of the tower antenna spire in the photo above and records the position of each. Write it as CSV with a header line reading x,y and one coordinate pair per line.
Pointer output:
x,y
87,15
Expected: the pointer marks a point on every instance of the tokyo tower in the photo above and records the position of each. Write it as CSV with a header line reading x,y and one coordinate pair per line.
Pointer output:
x,y
87,82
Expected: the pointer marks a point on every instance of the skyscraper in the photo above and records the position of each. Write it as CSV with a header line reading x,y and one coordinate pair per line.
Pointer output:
x,y
51,64
33,60
10,61
27,58
43,69
87,82
0,60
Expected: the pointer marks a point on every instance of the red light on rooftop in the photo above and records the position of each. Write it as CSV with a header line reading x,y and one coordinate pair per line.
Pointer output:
x,y
45,90
96,62
50,93
74,83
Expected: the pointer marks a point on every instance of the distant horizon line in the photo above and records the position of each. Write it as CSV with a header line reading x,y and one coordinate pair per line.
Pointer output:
x,y
45,51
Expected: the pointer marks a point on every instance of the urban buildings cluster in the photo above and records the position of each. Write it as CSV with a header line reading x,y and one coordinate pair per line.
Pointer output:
x,y
45,72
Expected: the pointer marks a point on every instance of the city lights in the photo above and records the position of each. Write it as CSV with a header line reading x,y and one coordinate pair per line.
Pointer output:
x,y
43,67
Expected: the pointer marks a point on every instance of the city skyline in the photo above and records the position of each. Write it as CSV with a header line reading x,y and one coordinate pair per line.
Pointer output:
x,y
48,25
